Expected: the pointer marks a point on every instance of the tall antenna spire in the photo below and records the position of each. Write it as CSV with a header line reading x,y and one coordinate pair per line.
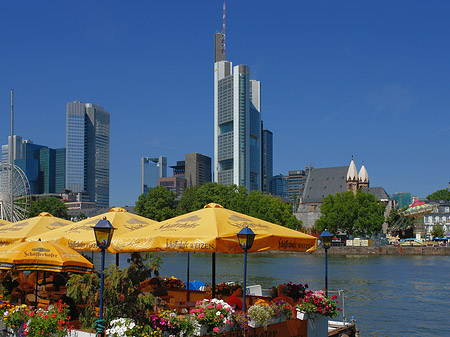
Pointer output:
x,y
223,30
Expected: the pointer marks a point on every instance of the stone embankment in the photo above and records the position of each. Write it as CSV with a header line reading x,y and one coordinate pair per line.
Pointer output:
x,y
385,250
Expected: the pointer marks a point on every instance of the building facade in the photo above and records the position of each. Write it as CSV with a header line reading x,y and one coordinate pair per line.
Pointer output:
x,y
279,185
237,122
175,184
440,216
267,160
87,151
296,184
44,167
151,170
197,169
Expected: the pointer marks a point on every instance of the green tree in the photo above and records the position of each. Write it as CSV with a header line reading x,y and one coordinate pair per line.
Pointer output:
x,y
361,214
157,205
440,195
437,231
52,205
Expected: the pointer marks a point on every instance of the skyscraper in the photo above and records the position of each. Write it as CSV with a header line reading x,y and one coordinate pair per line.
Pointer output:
x,y
43,166
267,160
151,170
197,169
237,122
87,152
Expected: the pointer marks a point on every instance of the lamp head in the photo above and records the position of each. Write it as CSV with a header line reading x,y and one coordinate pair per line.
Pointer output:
x,y
326,238
103,231
246,237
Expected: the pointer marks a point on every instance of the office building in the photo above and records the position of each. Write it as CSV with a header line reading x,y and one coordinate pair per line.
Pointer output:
x,y
267,160
197,169
237,122
296,184
279,185
44,167
87,152
151,170
175,184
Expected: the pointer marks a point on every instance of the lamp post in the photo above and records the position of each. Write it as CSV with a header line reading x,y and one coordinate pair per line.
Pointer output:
x,y
245,238
103,231
326,238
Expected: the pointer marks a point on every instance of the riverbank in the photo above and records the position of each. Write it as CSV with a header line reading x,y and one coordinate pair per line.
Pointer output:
x,y
386,250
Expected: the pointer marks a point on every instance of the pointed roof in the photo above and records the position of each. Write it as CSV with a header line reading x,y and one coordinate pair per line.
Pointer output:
x,y
352,173
363,176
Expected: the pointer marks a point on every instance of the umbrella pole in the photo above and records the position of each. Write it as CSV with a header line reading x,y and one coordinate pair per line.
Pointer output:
x,y
117,259
213,275
36,290
187,276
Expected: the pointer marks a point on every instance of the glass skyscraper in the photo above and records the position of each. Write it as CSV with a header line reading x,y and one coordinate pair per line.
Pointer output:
x,y
267,160
87,152
237,123
151,170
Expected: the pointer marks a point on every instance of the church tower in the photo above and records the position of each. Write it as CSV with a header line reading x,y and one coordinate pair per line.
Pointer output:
x,y
363,178
352,178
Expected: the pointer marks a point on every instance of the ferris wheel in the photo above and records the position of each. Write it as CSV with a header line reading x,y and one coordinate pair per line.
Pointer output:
x,y
20,191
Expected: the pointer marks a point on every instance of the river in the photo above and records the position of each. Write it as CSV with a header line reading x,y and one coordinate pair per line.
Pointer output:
x,y
387,295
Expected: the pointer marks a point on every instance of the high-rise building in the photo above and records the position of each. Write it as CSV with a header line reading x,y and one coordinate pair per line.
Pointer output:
x,y
267,160
43,166
279,185
297,181
151,170
197,169
87,155
237,122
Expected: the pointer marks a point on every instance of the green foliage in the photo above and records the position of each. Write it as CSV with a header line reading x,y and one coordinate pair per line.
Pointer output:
x,y
440,195
122,296
361,215
52,205
157,205
437,231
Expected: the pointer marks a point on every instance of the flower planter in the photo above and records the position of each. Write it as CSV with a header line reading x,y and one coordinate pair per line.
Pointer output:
x,y
276,319
204,331
317,324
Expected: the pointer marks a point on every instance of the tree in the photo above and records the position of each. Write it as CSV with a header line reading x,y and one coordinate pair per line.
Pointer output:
x,y
440,195
157,205
437,231
361,214
52,205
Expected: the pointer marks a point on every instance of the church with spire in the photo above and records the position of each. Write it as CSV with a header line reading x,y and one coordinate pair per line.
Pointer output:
x,y
322,182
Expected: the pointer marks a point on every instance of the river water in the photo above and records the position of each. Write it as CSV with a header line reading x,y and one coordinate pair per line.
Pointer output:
x,y
387,295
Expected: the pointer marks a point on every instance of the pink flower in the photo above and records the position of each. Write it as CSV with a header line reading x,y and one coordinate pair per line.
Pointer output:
x,y
210,306
219,306
216,330
201,315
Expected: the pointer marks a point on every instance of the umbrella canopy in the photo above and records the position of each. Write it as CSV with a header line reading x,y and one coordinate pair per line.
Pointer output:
x,y
4,222
38,225
80,235
418,208
40,255
212,229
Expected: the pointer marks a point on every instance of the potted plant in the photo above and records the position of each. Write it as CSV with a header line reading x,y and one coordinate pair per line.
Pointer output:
x,y
52,320
173,282
121,327
14,317
214,316
316,307
260,314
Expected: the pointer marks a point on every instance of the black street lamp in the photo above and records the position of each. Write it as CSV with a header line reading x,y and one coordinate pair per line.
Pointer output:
x,y
326,238
103,231
245,238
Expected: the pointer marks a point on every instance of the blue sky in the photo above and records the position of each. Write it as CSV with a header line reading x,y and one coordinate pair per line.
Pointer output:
x,y
339,78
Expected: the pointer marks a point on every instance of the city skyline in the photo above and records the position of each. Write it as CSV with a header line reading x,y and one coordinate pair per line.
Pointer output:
x,y
369,80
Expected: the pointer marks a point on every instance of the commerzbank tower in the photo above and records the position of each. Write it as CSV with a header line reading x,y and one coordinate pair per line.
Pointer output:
x,y
237,121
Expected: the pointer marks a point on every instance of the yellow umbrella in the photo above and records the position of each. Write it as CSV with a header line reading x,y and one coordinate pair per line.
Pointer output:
x,y
212,229
18,231
4,222
80,235
40,255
